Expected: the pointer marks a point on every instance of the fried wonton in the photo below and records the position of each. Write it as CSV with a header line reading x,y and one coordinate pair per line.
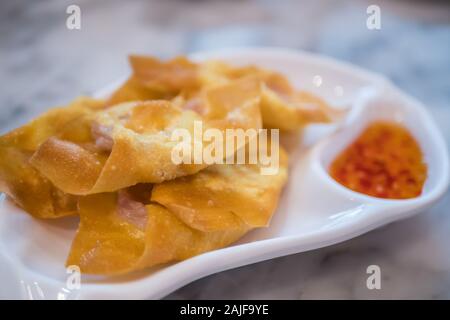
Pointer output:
x,y
229,106
112,161
282,106
168,77
132,90
128,144
155,79
222,196
119,233
132,142
22,182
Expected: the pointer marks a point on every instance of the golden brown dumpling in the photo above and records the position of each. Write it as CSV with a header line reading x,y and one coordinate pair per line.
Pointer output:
x,y
228,106
222,196
121,232
292,111
282,106
129,143
132,143
109,242
22,182
155,79
132,90
167,77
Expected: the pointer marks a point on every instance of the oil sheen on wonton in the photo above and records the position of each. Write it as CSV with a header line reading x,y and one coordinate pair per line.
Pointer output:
x,y
131,142
119,233
22,182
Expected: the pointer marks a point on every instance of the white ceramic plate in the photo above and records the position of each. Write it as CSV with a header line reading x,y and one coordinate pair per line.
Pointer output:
x,y
314,210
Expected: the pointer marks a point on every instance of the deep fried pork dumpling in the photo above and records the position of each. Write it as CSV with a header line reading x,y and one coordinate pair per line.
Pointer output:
x,y
132,142
112,162
171,76
155,79
128,144
222,196
22,182
228,106
110,242
125,231
282,106
132,90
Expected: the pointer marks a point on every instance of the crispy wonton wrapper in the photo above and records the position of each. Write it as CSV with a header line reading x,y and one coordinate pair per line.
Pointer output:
x,y
111,162
131,143
222,196
156,79
282,106
22,182
209,210
228,106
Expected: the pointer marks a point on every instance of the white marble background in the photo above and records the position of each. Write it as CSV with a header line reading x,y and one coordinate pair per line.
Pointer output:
x,y
44,64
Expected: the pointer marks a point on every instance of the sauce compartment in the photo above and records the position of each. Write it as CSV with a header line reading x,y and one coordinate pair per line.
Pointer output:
x,y
391,106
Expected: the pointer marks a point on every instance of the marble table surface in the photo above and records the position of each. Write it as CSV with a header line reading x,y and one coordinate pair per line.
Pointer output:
x,y
44,64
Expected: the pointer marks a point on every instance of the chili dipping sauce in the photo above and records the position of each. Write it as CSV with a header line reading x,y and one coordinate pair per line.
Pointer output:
x,y
385,161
